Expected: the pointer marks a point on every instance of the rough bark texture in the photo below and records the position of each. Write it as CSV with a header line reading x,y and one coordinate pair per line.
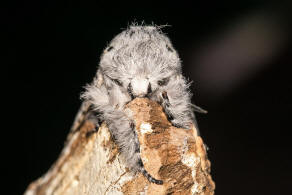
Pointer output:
x,y
90,162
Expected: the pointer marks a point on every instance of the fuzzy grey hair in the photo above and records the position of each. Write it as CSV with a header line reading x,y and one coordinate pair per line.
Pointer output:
x,y
138,62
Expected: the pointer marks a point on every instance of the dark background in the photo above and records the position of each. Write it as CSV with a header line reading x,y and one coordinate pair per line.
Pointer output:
x,y
238,53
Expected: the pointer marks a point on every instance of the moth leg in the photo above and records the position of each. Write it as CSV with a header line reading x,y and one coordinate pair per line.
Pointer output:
x,y
125,136
179,113
199,109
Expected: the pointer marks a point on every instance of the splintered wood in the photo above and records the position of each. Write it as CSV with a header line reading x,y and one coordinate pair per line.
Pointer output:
x,y
90,162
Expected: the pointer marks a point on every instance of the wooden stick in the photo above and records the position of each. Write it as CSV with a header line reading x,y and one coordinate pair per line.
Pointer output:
x,y
90,162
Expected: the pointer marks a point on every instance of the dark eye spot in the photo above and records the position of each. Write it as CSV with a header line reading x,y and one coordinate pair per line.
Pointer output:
x,y
149,89
109,48
118,82
163,82
131,33
168,48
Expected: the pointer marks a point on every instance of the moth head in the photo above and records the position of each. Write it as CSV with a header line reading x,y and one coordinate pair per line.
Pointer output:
x,y
141,57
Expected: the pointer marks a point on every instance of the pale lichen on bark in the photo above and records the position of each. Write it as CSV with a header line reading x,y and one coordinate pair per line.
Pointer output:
x,y
92,164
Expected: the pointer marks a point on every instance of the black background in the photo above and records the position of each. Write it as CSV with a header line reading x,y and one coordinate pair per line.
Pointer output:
x,y
52,51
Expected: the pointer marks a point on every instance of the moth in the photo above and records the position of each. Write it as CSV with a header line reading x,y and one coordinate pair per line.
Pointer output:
x,y
139,62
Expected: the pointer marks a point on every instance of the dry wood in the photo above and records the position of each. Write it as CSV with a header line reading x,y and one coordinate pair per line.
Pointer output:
x,y
90,162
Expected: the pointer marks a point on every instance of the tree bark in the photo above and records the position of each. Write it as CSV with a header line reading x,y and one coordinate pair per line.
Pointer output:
x,y
90,162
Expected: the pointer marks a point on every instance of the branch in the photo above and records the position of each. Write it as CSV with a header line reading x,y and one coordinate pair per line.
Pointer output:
x,y
90,162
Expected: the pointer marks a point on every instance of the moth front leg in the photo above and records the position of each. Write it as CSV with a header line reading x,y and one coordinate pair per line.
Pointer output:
x,y
179,113
175,98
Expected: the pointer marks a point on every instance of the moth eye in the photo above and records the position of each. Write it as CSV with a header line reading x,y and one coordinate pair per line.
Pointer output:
x,y
118,82
163,82
131,33
169,48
